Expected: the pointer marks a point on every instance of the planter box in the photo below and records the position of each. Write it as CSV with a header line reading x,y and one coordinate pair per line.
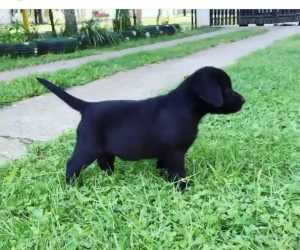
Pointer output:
x,y
153,30
5,49
24,49
168,29
57,45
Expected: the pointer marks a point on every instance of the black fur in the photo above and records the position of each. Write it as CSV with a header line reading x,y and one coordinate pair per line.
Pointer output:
x,y
162,127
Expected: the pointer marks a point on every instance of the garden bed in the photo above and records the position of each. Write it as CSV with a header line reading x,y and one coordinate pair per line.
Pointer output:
x,y
12,63
84,40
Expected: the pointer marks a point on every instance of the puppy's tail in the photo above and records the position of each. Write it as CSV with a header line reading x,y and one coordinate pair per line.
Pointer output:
x,y
72,101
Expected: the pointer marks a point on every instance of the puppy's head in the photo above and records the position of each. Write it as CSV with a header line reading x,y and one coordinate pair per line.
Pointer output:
x,y
213,87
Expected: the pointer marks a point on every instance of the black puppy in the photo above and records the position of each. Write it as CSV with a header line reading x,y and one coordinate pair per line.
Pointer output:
x,y
162,127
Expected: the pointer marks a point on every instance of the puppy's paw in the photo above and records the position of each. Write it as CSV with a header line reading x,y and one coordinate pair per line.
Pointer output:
x,y
73,181
181,185
108,171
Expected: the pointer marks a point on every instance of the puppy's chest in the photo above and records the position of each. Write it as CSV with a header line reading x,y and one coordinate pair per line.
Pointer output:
x,y
180,133
186,137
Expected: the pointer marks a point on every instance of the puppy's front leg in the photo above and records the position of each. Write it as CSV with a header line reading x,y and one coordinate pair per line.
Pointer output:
x,y
174,162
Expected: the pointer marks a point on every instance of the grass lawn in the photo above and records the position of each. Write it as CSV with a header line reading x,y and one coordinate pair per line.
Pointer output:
x,y
20,62
243,191
26,87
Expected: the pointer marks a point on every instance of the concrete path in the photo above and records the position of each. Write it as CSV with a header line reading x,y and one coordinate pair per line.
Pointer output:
x,y
44,117
102,56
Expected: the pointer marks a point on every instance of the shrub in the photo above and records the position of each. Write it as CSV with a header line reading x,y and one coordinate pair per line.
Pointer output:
x,y
17,34
92,35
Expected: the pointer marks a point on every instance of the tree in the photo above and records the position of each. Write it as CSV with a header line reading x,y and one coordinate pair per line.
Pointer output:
x,y
194,18
25,18
134,17
51,17
70,22
137,16
38,17
158,16
122,20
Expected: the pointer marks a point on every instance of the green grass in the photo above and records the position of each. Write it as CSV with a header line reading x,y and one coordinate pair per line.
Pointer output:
x,y
26,87
13,63
243,171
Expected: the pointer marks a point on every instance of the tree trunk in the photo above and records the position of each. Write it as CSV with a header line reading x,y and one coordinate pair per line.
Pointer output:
x,y
139,16
158,16
134,17
35,17
70,22
25,20
194,18
122,20
52,22
38,18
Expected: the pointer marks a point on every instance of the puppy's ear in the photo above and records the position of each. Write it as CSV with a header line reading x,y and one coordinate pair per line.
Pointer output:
x,y
211,93
208,90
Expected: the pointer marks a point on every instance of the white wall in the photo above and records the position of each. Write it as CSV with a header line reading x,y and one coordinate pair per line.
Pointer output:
x,y
84,14
202,18
153,13
146,13
5,17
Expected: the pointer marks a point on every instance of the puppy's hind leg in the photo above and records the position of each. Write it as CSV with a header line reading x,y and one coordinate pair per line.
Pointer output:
x,y
106,163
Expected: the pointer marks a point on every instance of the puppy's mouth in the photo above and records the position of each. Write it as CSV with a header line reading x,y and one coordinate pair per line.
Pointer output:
x,y
232,107
242,100
237,109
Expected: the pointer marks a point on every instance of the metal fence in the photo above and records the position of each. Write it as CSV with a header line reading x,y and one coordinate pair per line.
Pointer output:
x,y
252,16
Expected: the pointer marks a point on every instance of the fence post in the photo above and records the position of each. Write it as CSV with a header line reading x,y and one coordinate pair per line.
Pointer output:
x,y
222,17
211,12
195,16
192,18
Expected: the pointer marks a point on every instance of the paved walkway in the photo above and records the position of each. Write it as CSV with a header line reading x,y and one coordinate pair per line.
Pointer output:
x,y
44,117
71,63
